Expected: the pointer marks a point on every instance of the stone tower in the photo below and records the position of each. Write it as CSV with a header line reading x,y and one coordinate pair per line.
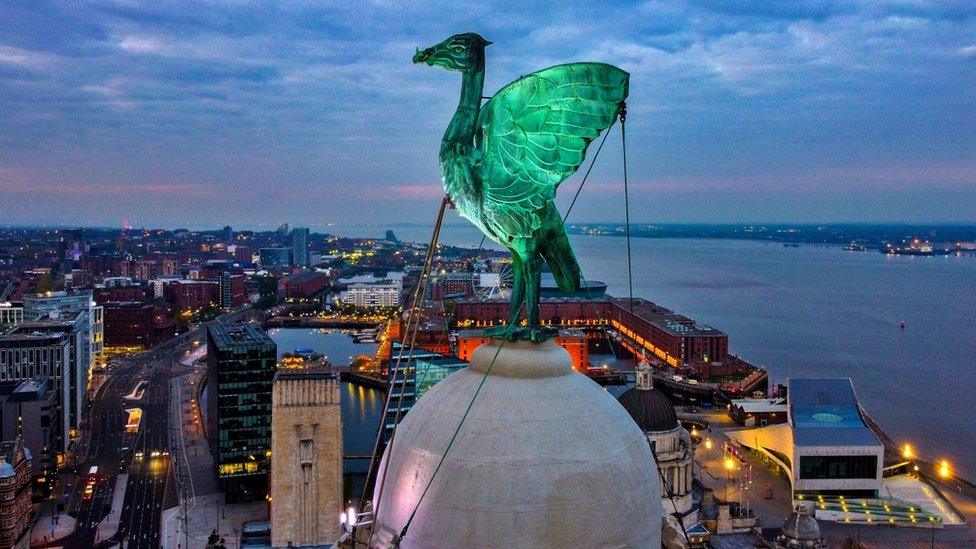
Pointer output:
x,y
306,459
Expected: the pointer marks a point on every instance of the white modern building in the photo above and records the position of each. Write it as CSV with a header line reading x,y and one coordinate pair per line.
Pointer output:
x,y
384,293
825,448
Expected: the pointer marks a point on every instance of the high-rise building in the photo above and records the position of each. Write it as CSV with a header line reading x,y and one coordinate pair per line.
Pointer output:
x,y
306,459
240,369
228,234
299,246
50,347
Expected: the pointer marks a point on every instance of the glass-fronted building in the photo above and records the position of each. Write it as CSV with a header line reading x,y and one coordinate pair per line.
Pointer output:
x,y
422,369
240,371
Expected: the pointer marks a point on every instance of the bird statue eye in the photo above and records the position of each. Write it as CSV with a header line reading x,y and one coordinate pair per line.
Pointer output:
x,y
457,49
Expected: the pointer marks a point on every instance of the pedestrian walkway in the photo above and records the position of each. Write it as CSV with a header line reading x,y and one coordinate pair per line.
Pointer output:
x,y
208,513
45,531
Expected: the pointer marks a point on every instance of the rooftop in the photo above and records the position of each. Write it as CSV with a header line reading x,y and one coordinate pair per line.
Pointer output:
x,y
760,405
825,412
665,318
238,335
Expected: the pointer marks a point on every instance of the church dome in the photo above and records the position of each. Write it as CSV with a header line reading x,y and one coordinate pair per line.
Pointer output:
x,y
801,529
544,458
650,408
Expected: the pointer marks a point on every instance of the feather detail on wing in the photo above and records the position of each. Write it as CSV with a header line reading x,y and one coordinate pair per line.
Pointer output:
x,y
533,135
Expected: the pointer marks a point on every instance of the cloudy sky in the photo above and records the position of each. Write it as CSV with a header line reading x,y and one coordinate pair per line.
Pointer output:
x,y
200,114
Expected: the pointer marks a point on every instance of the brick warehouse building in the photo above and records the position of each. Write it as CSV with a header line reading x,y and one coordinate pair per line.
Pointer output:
x,y
671,337
306,284
136,324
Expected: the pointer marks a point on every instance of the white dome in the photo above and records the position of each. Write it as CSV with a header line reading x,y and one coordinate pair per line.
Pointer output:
x,y
545,458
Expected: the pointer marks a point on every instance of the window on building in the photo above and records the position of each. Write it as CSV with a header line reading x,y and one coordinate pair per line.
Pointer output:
x,y
814,467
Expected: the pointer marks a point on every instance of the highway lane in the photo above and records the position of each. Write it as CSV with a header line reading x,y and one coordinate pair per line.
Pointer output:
x,y
114,451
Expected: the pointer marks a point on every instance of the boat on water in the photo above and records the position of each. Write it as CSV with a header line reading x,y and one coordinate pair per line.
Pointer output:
x,y
856,247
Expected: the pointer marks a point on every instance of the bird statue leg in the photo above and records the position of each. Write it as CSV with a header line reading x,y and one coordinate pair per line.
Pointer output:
x,y
533,286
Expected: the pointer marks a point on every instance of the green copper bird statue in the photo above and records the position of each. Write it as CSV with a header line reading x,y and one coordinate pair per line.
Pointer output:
x,y
502,162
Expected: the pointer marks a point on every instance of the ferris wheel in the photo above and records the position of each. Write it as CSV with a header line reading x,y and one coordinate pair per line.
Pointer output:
x,y
495,281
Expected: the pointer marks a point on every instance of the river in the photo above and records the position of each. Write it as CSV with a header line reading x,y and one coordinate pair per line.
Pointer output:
x,y
813,312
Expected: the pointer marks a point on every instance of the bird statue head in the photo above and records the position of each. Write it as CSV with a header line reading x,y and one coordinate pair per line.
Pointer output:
x,y
463,52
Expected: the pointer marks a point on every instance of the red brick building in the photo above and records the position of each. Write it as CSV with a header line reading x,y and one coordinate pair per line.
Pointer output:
x,y
120,293
15,494
573,341
306,284
673,338
451,286
243,254
136,324
187,295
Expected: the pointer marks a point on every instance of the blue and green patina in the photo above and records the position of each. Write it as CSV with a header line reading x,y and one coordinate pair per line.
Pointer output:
x,y
503,161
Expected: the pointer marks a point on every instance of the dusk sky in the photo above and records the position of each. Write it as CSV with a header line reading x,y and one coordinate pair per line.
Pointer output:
x,y
201,114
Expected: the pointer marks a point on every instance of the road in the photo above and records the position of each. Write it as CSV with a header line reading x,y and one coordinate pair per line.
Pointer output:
x,y
144,454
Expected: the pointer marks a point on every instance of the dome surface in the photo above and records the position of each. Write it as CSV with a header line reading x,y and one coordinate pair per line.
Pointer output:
x,y
545,458
650,408
801,529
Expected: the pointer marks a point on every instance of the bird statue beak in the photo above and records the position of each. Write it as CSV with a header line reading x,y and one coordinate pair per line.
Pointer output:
x,y
422,56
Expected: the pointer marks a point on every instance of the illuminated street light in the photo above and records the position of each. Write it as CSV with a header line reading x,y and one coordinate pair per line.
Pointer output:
x,y
906,451
944,470
729,464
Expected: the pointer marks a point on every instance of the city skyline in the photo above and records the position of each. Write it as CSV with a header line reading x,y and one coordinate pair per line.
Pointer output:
x,y
205,115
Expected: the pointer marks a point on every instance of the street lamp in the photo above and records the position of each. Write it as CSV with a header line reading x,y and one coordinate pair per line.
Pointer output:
x,y
944,470
907,452
729,467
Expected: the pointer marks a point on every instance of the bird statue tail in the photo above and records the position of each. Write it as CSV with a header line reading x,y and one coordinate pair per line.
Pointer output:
x,y
559,256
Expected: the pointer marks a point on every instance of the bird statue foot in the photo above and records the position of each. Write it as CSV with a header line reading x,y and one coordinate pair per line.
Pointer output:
x,y
535,334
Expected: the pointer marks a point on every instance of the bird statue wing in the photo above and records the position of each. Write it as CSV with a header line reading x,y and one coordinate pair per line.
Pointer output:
x,y
534,133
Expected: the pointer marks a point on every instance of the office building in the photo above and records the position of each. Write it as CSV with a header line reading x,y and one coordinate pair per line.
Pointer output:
x,y
91,324
240,369
31,408
232,289
271,258
228,234
49,348
306,459
415,373
299,246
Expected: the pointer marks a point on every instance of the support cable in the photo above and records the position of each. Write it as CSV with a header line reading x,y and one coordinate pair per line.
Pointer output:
x,y
623,144
406,526
411,332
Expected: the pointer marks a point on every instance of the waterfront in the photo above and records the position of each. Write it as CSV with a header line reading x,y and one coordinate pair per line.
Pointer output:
x,y
814,312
